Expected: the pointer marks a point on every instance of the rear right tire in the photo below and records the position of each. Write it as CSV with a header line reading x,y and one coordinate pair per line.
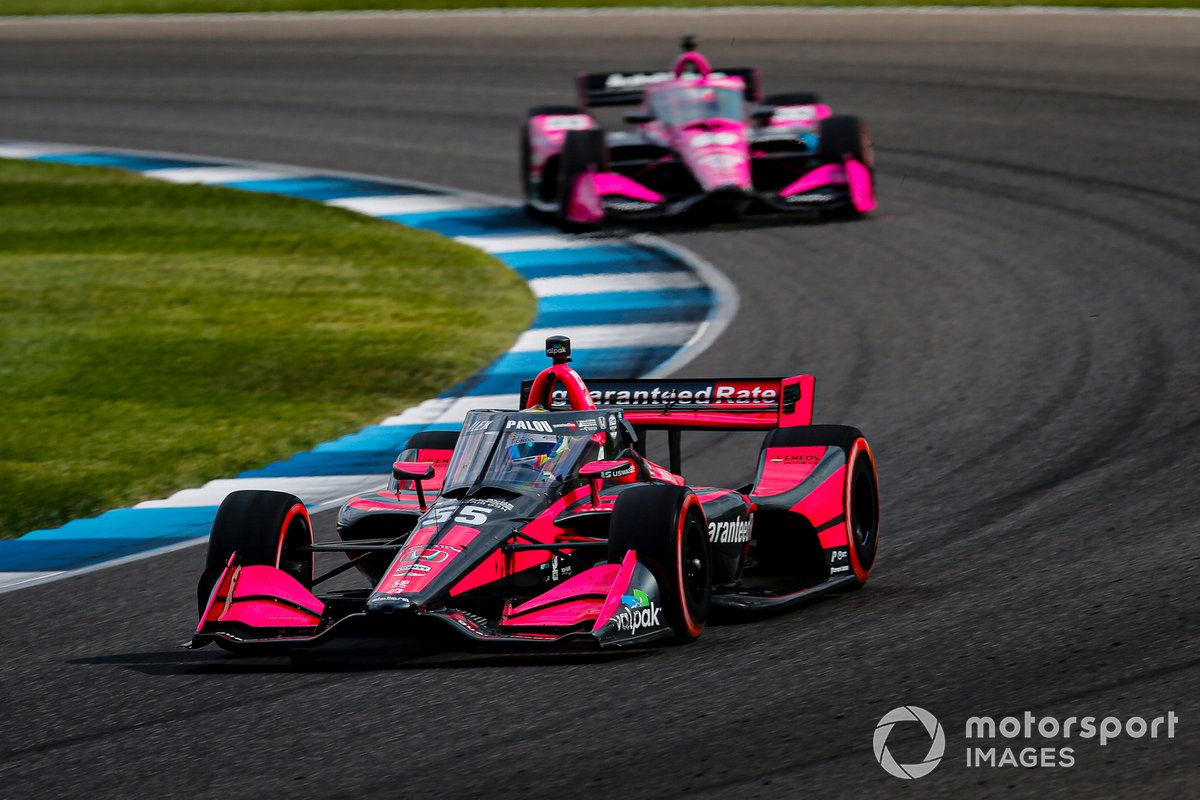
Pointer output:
x,y
432,440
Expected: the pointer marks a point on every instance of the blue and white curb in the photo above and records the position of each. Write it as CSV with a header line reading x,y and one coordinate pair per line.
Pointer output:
x,y
631,305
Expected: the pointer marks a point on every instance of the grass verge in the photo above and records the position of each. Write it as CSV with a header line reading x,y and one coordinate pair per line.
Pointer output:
x,y
208,6
155,336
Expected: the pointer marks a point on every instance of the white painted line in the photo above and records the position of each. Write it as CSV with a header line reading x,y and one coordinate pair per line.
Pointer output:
x,y
15,580
452,409
426,412
613,282
409,204
518,243
23,150
315,490
720,315
47,577
211,175
584,336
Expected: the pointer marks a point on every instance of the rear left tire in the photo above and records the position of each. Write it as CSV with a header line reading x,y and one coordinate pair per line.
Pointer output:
x,y
792,99
860,487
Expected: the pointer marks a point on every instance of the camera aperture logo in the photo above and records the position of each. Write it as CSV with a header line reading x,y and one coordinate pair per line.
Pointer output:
x,y
937,747
1012,741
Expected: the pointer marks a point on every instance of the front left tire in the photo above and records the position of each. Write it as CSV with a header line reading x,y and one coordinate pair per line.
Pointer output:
x,y
665,526
581,151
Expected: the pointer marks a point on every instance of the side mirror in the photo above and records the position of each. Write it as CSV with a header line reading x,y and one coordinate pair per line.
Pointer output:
x,y
415,471
597,472
639,117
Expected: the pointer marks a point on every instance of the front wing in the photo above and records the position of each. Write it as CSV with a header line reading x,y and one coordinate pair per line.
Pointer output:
x,y
600,195
260,607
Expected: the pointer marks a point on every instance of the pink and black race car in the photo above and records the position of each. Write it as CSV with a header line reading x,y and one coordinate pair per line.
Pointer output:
x,y
550,524
700,143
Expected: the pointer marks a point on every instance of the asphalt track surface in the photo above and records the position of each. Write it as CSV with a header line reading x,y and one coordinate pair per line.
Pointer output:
x,y
1015,330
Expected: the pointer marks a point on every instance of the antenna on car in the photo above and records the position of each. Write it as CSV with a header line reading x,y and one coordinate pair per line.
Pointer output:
x,y
558,349
688,42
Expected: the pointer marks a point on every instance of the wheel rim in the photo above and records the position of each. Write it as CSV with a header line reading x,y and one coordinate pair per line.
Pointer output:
x,y
296,536
695,564
864,515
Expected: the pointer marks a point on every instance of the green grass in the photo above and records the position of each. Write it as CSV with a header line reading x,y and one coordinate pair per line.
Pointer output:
x,y
201,6
155,336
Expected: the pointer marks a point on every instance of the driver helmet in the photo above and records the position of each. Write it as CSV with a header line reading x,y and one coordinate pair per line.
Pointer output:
x,y
536,450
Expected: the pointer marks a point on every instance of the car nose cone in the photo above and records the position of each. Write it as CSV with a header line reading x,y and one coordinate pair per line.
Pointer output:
x,y
728,200
390,605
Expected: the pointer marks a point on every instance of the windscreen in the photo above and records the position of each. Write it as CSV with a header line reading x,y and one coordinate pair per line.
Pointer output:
x,y
678,107
522,453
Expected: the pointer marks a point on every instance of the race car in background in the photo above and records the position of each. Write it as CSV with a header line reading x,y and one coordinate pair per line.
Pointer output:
x,y
699,143
549,524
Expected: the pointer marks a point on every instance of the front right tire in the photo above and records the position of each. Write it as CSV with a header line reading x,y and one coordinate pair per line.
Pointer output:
x,y
526,156
265,529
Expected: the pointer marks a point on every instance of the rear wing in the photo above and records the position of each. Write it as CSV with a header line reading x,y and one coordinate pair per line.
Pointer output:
x,y
754,404
625,88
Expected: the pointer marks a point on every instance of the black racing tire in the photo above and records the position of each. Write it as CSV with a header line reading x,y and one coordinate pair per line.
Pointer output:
x,y
265,529
537,111
433,440
524,155
843,136
581,150
862,518
428,440
861,487
525,159
792,99
666,527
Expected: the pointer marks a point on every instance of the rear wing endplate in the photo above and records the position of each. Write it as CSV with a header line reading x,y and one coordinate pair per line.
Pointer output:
x,y
712,403
625,88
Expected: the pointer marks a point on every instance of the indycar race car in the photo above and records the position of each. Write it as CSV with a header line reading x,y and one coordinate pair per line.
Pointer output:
x,y
550,524
698,144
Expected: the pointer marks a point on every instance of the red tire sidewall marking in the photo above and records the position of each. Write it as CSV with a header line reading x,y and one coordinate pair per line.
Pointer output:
x,y
694,628
296,510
